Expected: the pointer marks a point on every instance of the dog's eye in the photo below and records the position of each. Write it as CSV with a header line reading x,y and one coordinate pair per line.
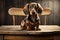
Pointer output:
x,y
30,7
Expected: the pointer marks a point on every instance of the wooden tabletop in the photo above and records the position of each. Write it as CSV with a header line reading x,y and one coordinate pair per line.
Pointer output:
x,y
16,29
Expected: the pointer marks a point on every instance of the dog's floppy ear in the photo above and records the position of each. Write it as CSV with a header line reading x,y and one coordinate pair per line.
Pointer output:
x,y
26,9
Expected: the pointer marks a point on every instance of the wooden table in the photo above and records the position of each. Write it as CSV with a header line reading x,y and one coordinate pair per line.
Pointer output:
x,y
13,32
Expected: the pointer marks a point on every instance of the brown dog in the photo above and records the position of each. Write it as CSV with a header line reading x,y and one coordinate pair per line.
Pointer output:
x,y
32,21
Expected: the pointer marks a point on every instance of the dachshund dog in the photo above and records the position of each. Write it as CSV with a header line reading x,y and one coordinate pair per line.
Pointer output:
x,y
32,21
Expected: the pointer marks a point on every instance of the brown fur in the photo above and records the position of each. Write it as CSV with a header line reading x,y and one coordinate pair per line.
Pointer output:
x,y
32,21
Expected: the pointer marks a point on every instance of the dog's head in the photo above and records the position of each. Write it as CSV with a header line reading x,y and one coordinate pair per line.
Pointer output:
x,y
30,6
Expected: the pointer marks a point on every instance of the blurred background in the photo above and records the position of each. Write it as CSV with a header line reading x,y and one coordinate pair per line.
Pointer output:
x,y
6,19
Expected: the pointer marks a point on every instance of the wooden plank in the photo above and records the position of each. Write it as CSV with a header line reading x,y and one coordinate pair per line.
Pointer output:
x,y
56,37
51,17
27,38
59,13
15,3
56,12
1,37
44,5
42,17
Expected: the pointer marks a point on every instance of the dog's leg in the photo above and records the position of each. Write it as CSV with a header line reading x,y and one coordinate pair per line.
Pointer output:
x,y
23,27
37,26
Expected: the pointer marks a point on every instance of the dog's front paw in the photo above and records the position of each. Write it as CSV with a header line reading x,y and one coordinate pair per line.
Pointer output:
x,y
28,28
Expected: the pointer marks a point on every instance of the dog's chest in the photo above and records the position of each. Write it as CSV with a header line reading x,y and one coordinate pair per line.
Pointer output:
x,y
32,18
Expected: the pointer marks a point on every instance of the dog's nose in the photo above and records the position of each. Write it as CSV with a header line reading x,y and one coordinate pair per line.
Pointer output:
x,y
33,13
